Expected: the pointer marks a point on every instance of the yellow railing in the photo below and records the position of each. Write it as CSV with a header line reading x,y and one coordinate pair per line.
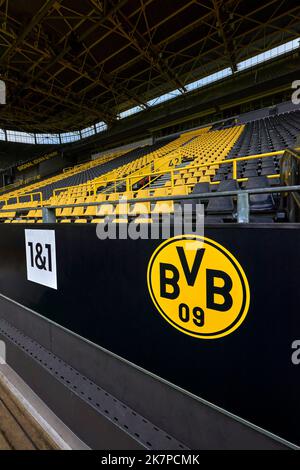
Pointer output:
x,y
19,183
156,174
19,196
92,187
11,186
169,162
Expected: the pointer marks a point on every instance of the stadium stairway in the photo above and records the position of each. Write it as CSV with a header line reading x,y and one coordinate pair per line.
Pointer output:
x,y
162,180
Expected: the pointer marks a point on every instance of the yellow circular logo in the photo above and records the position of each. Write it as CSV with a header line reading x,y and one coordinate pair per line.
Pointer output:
x,y
198,286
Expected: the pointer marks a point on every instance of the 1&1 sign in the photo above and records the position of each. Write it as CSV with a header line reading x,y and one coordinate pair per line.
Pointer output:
x,y
41,257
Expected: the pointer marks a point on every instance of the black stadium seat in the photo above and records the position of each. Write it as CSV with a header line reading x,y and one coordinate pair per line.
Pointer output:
x,y
250,173
260,202
201,188
223,205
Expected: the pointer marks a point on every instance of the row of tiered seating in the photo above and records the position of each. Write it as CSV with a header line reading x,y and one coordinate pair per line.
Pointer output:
x,y
209,149
250,168
197,149
268,135
262,207
20,193
199,159
82,173
85,178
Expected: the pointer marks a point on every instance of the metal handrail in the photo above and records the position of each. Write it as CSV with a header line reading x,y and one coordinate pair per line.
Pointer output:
x,y
294,154
198,196
17,197
243,209
94,186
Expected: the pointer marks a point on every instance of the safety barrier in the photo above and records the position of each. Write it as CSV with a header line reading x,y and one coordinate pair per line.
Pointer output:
x,y
19,183
19,196
130,180
243,209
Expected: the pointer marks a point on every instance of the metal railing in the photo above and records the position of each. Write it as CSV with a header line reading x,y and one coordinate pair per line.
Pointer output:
x,y
138,174
70,171
16,184
130,180
243,206
30,195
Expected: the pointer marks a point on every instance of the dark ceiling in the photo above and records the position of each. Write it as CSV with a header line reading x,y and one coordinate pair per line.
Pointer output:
x,y
70,63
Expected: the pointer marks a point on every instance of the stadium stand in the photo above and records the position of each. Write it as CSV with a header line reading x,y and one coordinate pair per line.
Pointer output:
x,y
194,162
221,157
268,134
107,174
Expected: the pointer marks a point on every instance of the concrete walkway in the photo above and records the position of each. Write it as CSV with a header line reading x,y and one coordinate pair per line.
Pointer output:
x,y
18,430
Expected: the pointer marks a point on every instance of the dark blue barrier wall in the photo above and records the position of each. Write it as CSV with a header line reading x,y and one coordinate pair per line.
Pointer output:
x,y
103,296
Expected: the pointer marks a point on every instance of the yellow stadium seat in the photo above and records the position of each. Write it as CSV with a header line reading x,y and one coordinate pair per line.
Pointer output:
x,y
210,172
205,179
67,212
7,215
179,191
160,192
65,221
192,181
31,213
140,208
99,198
90,199
143,193
91,211
81,221
114,196
127,195
105,209
163,207
78,211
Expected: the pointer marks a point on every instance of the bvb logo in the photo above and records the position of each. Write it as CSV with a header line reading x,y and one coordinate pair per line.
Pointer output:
x,y
198,286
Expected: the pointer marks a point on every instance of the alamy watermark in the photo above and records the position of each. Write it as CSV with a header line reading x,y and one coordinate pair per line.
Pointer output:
x,y
296,93
2,353
296,352
184,219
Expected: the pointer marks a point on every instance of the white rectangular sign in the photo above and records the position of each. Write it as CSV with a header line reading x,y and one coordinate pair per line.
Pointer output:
x,y
41,257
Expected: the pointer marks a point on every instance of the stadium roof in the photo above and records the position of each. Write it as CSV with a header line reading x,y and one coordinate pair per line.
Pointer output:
x,y
68,64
